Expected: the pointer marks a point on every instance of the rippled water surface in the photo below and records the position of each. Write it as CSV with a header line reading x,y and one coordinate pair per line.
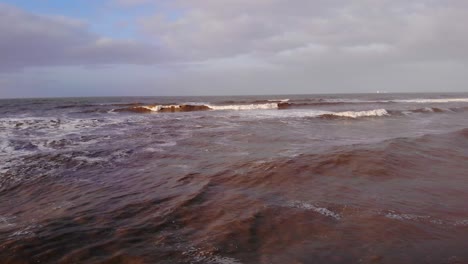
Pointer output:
x,y
371,178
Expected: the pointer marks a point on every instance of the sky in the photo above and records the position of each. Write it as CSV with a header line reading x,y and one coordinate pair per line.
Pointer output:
x,y
56,48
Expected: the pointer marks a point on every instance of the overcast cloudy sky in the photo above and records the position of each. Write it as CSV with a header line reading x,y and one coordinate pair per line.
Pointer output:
x,y
217,47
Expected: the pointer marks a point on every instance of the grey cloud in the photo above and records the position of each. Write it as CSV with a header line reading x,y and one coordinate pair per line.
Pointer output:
x,y
400,30
33,40
245,47
132,2
275,31
275,46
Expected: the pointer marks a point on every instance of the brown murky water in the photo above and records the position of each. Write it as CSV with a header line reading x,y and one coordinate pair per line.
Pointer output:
x,y
379,178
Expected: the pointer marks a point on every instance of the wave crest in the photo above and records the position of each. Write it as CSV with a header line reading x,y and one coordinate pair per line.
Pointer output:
x,y
357,114
164,108
245,107
190,108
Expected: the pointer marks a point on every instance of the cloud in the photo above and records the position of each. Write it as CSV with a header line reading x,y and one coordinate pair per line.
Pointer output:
x,y
420,30
29,40
275,31
132,2
319,46
244,47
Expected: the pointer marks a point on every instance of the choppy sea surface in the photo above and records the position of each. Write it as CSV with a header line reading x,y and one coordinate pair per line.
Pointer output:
x,y
368,178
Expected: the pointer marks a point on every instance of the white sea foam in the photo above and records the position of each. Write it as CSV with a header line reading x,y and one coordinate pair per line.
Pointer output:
x,y
199,255
151,149
6,222
321,210
356,114
279,100
24,232
284,114
244,107
5,146
156,108
28,231
418,218
425,219
53,125
223,260
396,216
345,100
90,160
167,144
461,223
428,109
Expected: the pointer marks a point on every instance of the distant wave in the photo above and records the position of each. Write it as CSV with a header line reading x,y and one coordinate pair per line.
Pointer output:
x,y
264,104
421,101
371,113
244,107
190,108
384,112
287,105
326,102
163,108
248,102
429,110
356,114
418,100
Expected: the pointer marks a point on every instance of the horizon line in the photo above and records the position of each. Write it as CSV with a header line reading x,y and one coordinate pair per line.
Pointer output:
x,y
231,95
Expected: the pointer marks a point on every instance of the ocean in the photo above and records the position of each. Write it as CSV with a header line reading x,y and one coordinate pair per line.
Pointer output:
x,y
350,178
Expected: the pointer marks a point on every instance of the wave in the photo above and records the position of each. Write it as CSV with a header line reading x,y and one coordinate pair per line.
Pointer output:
x,y
73,106
241,107
429,110
279,100
191,108
356,114
330,102
244,107
321,210
418,100
287,105
163,108
248,102
442,100
387,159
384,112
284,104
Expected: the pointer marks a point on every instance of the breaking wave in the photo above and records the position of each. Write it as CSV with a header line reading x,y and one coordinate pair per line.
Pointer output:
x,y
384,112
429,110
244,107
330,102
357,114
310,113
163,108
266,104
190,108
